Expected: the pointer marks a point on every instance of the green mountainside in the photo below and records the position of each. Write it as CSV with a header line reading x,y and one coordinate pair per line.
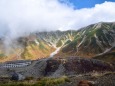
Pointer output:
x,y
93,41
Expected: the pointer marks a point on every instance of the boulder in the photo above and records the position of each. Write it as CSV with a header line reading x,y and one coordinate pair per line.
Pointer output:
x,y
85,83
17,77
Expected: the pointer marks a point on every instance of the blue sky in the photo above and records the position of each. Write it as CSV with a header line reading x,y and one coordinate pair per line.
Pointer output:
x,y
78,4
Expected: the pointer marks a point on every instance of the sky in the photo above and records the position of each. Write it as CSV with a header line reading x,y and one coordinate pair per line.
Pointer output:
x,y
79,4
18,17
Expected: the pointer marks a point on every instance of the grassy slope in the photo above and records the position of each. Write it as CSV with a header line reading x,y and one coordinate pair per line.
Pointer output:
x,y
33,51
40,82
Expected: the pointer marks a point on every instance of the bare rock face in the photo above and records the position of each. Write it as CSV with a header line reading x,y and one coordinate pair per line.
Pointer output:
x,y
37,69
75,65
81,65
52,66
59,72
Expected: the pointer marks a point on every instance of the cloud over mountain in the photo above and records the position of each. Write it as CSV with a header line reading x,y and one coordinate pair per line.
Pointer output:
x,y
22,16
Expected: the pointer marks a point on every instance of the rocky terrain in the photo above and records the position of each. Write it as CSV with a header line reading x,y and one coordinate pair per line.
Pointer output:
x,y
74,68
56,67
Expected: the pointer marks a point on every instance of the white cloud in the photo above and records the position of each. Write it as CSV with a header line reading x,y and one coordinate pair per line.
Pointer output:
x,y
20,16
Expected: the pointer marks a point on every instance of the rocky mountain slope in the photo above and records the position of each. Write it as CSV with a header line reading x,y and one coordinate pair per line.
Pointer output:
x,y
33,46
92,41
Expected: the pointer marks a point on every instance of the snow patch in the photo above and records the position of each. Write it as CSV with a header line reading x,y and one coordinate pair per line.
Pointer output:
x,y
36,42
55,52
98,42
